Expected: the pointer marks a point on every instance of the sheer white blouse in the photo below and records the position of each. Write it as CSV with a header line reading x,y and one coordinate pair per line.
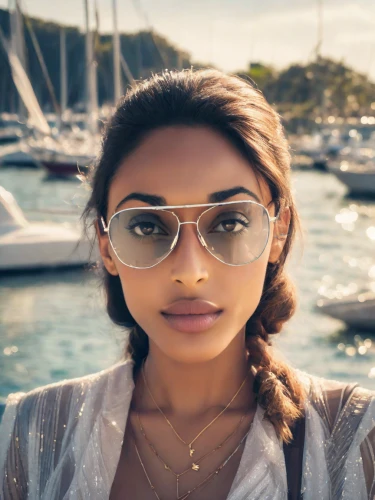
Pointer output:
x,y
63,441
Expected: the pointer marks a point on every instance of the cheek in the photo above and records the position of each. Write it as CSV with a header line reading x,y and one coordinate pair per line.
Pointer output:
x,y
245,288
139,288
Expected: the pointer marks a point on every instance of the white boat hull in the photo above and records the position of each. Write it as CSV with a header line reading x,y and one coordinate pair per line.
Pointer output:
x,y
33,245
43,246
358,181
38,246
357,311
17,155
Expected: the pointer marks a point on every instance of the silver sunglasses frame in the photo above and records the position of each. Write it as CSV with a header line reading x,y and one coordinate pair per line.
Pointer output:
x,y
106,228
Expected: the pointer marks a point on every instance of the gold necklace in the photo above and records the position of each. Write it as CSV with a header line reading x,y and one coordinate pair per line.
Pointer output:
x,y
202,483
194,466
191,450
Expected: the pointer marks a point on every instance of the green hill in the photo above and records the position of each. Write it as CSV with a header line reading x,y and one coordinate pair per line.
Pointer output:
x,y
144,52
316,91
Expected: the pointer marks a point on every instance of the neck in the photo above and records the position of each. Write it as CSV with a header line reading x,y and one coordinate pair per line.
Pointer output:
x,y
190,389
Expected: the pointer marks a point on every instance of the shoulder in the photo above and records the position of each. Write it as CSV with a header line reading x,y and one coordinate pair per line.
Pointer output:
x,y
319,386
48,416
63,400
340,429
337,401
65,388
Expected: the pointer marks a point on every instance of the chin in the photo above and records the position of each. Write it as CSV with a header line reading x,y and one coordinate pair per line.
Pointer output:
x,y
192,348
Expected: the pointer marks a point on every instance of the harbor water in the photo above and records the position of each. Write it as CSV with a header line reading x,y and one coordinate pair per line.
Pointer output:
x,y
53,325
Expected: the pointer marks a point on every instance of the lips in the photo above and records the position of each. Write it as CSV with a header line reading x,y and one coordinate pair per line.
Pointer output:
x,y
191,316
187,307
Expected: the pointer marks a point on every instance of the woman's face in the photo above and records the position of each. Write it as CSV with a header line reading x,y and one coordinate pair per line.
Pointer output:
x,y
185,165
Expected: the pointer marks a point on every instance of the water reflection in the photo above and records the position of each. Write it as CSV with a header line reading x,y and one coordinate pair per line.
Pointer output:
x,y
353,345
53,326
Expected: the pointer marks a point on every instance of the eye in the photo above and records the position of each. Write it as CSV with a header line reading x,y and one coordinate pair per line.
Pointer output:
x,y
230,226
230,223
146,225
146,229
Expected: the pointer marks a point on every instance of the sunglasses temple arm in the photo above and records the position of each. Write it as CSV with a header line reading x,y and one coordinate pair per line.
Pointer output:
x,y
274,219
102,226
277,217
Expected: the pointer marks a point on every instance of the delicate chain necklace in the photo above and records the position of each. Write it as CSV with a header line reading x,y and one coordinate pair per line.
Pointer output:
x,y
202,483
194,466
191,450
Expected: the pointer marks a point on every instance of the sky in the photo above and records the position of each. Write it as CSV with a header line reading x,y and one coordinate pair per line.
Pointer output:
x,y
231,33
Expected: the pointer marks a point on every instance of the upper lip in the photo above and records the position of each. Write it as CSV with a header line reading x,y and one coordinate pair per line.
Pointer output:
x,y
195,306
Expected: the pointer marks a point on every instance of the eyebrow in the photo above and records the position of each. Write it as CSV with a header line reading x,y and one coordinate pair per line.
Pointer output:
x,y
216,197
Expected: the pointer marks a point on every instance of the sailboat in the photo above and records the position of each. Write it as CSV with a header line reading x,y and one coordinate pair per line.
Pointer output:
x,y
36,122
65,163
358,178
74,155
69,154
61,164
65,154
36,245
357,310
355,167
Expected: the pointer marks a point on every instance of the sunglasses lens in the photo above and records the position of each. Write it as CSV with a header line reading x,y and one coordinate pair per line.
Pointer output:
x,y
237,233
142,238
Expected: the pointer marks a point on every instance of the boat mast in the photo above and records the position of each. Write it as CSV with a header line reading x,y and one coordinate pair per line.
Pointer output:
x,y
63,74
320,30
18,45
116,56
91,88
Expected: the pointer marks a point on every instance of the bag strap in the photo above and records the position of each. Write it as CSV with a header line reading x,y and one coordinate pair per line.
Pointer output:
x,y
293,453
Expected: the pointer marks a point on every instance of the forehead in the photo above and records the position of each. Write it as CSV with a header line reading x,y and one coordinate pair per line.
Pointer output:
x,y
184,165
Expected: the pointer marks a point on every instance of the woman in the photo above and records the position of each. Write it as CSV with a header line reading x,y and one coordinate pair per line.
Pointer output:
x,y
195,218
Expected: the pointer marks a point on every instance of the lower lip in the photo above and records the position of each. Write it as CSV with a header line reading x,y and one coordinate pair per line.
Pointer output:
x,y
192,323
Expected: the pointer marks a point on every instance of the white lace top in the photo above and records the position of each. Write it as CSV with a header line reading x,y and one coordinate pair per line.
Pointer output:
x,y
63,441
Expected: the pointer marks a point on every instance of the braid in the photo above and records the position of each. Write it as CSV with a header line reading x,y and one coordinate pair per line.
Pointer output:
x,y
138,346
276,386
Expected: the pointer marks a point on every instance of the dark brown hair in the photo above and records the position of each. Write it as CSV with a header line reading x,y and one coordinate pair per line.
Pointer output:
x,y
237,110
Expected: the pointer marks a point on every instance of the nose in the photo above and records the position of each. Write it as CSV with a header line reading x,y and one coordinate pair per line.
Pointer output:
x,y
189,258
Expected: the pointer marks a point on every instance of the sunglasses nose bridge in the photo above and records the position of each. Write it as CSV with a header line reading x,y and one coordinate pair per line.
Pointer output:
x,y
203,243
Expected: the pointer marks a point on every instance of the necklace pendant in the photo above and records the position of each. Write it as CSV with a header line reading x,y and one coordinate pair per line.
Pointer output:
x,y
195,466
191,451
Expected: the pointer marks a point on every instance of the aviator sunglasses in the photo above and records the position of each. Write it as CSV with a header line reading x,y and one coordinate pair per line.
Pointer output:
x,y
234,232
